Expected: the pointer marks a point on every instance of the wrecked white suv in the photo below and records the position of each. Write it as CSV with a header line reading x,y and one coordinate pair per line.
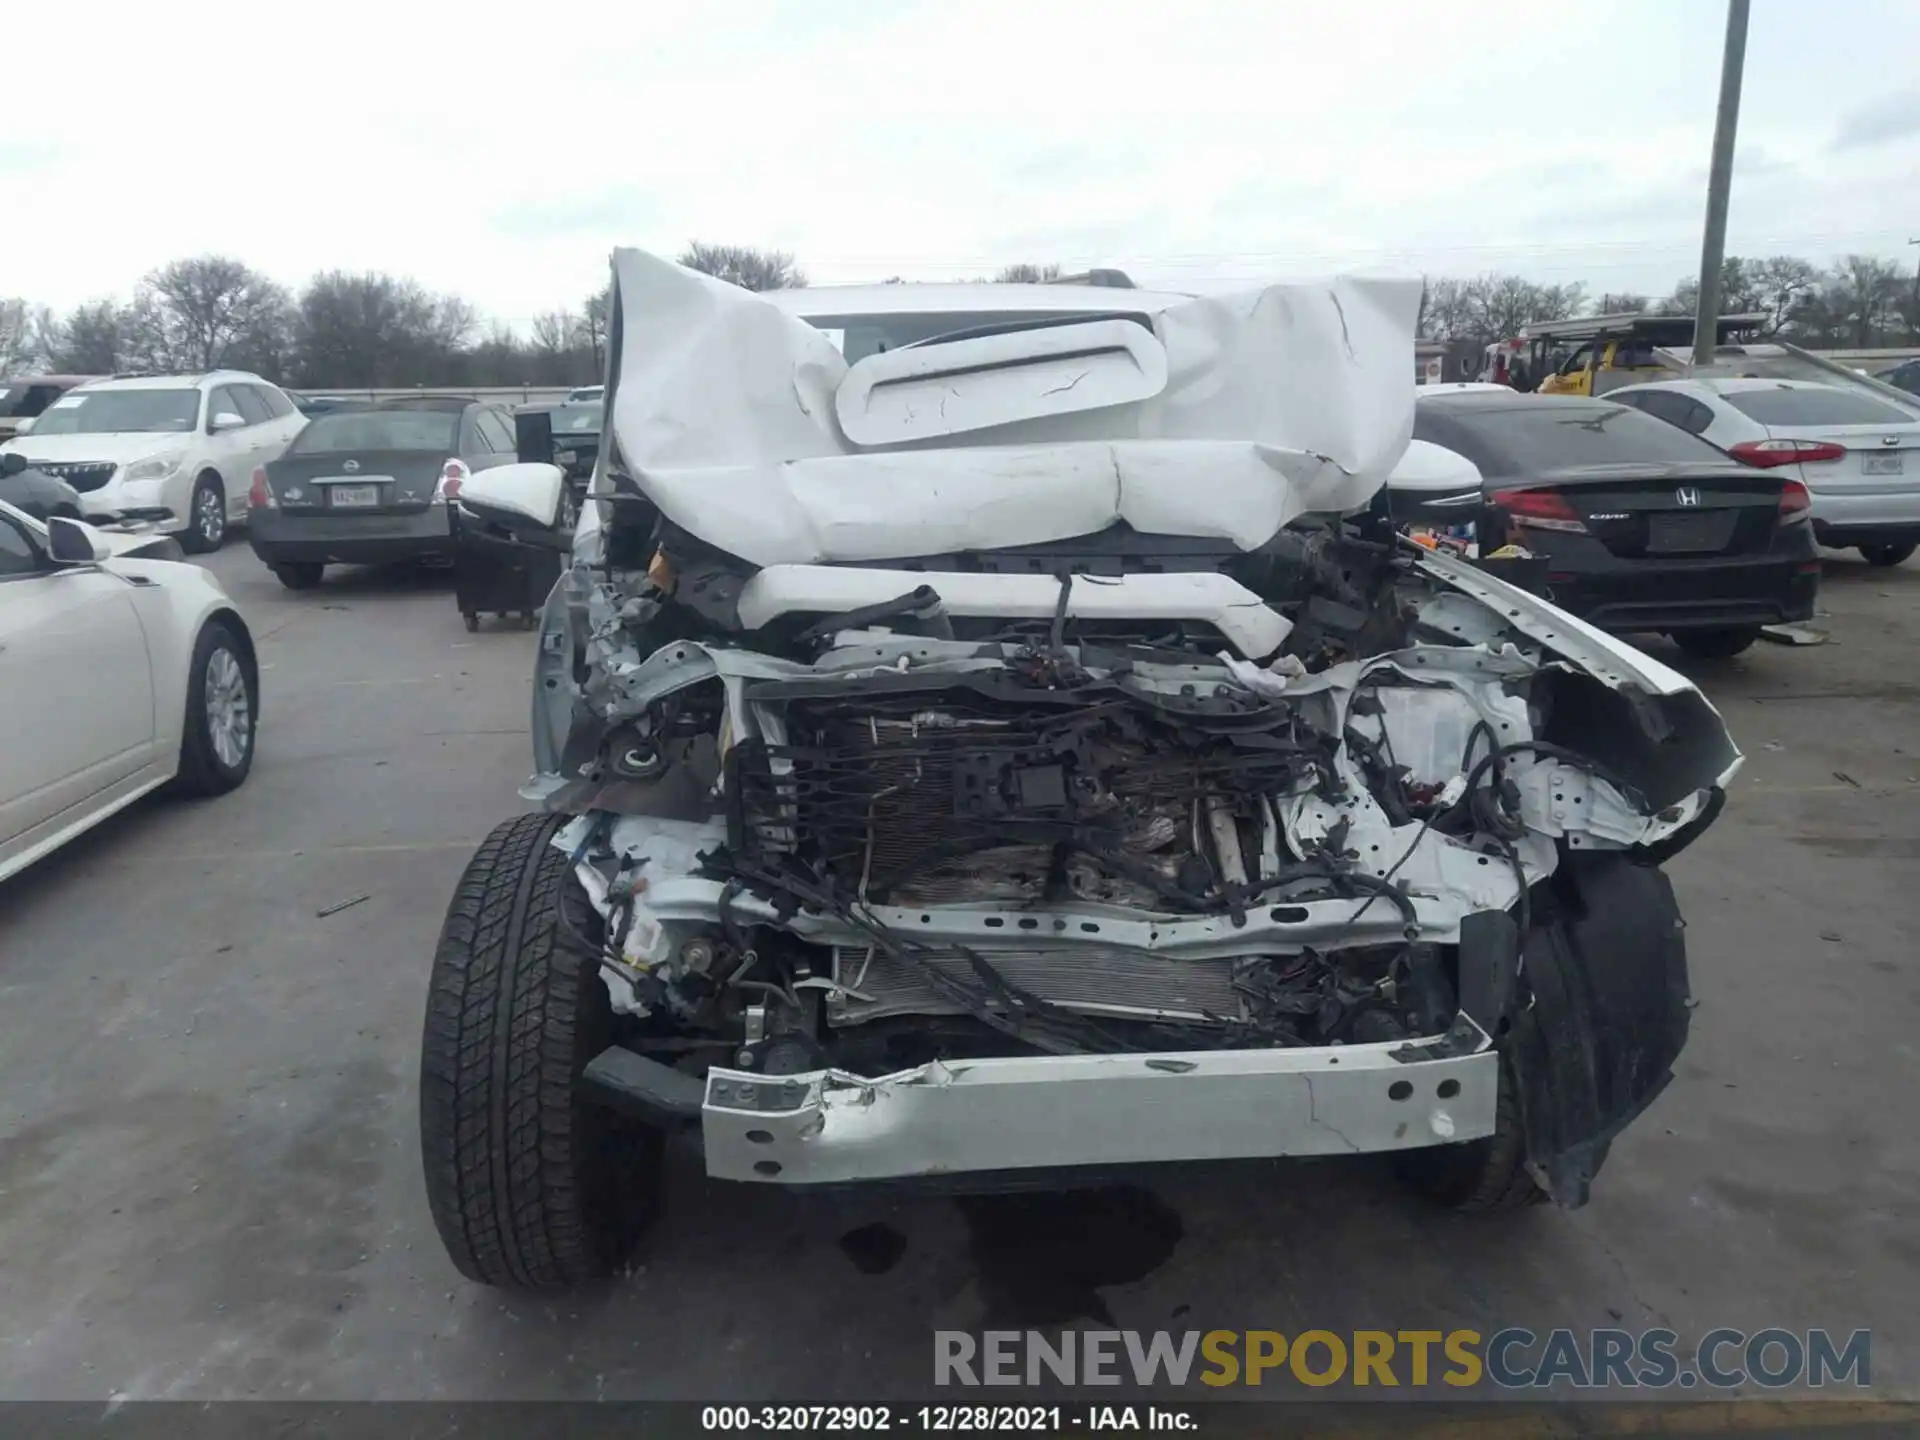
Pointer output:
x,y
992,734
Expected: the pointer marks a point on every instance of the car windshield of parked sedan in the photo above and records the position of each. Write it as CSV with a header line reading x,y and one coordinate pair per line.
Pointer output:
x,y
579,419
121,412
378,430
1532,436
1815,405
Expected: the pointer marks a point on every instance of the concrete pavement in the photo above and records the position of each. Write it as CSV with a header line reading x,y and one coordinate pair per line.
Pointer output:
x,y
209,1169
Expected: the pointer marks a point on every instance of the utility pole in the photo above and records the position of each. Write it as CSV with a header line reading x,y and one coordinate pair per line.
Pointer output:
x,y
1913,323
1713,245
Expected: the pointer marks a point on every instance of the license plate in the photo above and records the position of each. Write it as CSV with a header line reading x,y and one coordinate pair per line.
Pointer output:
x,y
1690,534
1881,464
343,497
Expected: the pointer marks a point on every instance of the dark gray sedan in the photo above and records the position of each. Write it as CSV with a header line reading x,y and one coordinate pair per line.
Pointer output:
x,y
372,487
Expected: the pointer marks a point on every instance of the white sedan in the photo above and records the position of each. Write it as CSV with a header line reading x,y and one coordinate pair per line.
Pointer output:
x,y
118,674
1857,454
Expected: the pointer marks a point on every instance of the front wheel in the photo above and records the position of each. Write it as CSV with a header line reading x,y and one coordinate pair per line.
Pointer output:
x,y
223,705
530,1184
1487,1176
1716,644
206,517
1887,556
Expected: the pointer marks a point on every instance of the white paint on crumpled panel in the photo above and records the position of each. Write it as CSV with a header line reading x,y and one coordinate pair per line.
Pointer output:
x,y
1282,401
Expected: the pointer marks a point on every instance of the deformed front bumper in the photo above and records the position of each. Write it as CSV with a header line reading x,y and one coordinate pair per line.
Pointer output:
x,y
1026,1113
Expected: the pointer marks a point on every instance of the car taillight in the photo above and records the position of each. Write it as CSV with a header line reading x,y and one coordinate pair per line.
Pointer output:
x,y
259,497
1766,454
1540,510
1795,503
453,474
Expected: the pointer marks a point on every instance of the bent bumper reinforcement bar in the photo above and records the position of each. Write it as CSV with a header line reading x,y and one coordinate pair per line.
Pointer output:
x,y
830,1127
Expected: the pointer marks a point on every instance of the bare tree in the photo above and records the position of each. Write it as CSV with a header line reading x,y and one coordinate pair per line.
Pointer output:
x,y
1780,283
200,310
744,266
377,330
1026,273
1559,302
89,341
595,318
1448,316
1501,305
19,343
553,332
563,349
1740,290
1622,302
1865,292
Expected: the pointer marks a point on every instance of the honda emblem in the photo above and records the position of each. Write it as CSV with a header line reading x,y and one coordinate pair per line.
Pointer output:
x,y
1687,495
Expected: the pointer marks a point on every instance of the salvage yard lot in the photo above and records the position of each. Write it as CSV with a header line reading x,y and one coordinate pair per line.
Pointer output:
x,y
209,1170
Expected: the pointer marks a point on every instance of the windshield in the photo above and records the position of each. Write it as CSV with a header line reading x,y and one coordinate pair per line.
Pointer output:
x,y
436,430
859,336
121,412
584,419
1531,437
1810,406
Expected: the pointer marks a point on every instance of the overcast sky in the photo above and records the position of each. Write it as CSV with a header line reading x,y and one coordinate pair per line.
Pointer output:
x,y
503,153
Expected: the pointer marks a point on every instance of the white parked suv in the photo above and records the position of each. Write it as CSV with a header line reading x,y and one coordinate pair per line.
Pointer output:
x,y
172,451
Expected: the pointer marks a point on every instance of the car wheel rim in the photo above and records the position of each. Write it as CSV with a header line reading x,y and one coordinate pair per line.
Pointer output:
x,y
229,712
212,523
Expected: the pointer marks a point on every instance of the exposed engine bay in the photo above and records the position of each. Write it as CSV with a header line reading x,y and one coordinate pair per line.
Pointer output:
x,y
920,846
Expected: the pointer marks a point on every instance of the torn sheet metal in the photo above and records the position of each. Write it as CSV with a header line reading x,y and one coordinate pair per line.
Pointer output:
x,y
723,412
1242,617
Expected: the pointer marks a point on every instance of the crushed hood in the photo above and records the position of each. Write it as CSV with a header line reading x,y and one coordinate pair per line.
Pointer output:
x,y
1238,414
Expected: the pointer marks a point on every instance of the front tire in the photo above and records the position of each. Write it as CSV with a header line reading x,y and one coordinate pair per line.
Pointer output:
x,y
1480,1177
300,574
223,706
206,517
1716,644
531,1185
1887,556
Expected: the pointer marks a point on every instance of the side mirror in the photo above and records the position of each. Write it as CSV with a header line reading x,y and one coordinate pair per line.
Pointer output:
x,y
12,463
23,427
225,420
522,492
73,542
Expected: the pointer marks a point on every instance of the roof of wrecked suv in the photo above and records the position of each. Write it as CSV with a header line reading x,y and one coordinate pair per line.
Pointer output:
x,y
908,297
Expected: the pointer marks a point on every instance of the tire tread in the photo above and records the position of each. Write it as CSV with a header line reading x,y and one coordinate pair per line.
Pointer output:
x,y
524,1189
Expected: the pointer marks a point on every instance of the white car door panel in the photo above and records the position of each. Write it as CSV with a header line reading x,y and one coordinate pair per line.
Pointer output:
x,y
230,452
76,688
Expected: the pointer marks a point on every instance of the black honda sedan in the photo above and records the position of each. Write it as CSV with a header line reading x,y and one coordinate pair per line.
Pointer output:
x,y
1644,527
373,486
